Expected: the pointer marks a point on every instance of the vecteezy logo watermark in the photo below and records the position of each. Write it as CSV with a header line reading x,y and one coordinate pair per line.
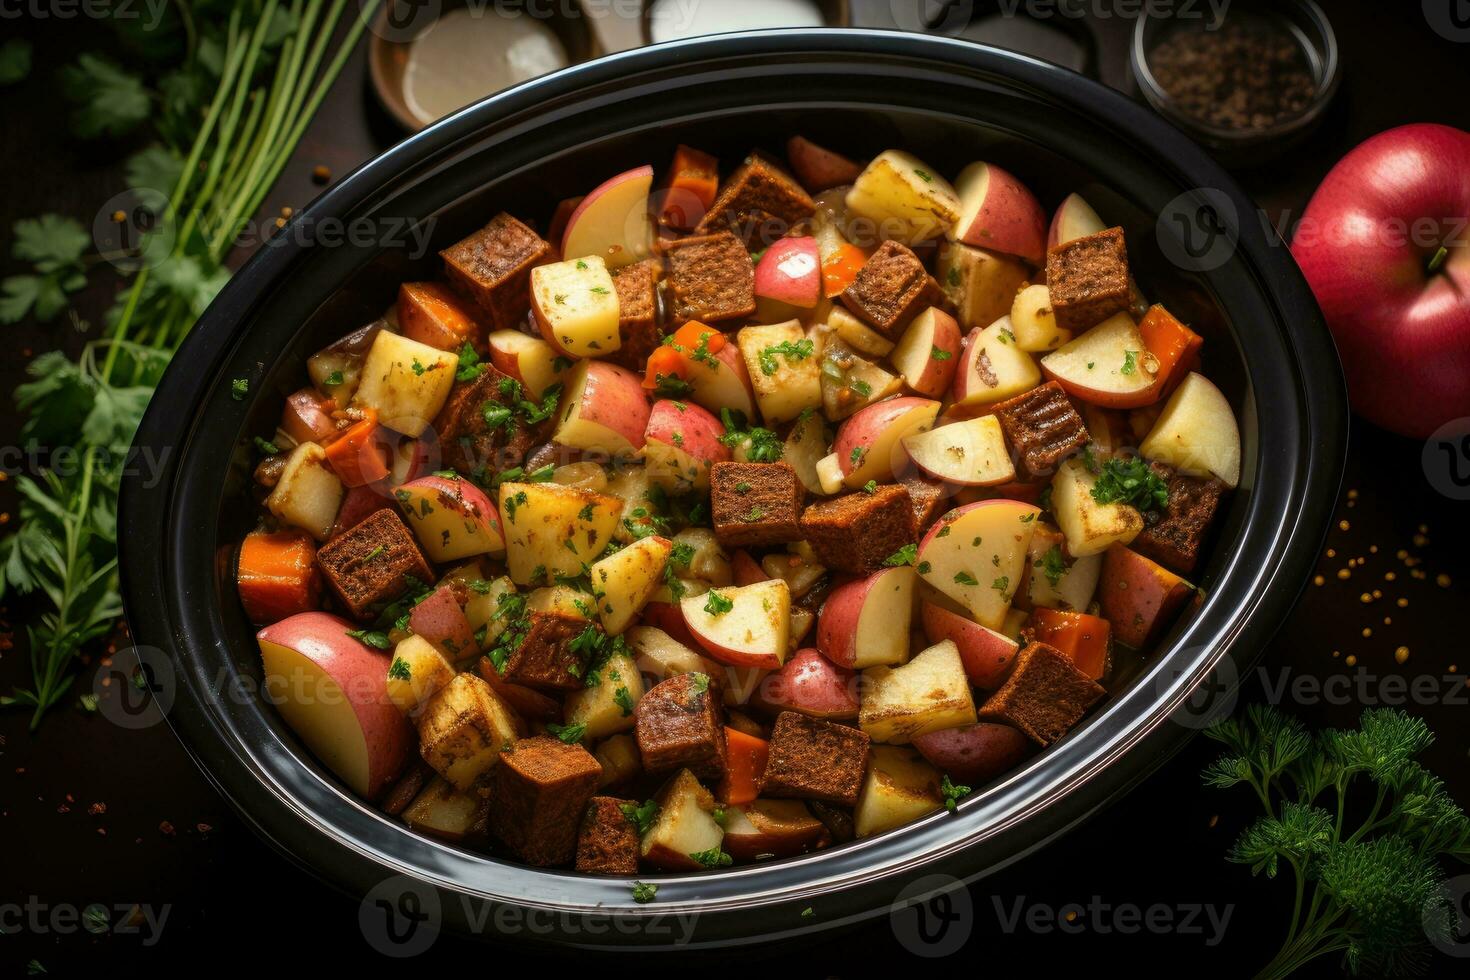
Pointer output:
x,y
400,917
1449,18
1199,230
1210,700
149,11
933,916
135,229
135,688
62,919
1104,918
1447,918
1446,459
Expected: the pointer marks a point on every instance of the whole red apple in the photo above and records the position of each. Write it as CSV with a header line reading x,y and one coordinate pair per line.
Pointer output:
x,y
1385,245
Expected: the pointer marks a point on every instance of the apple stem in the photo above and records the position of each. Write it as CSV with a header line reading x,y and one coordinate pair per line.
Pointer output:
x,y
1439,259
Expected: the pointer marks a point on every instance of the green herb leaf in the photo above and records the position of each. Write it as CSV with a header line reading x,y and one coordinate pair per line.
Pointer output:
x,y
570,734
109,101
377,639
1130,480
717,605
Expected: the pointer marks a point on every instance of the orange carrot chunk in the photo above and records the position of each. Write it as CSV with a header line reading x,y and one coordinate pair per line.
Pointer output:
x,y
1081,637
1173,345
694,177
745,763
357,456
277,575
431,314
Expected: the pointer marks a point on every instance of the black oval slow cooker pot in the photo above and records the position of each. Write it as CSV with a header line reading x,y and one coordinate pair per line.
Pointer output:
x,y
1195,242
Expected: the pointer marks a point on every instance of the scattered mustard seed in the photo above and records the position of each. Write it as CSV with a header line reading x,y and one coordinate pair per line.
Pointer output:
x,y
1401,654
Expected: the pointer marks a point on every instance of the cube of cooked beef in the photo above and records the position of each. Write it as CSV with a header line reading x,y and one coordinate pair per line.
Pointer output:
x,y
928,497
755,504
546,656
680,724
1088,279
859,531
1173,539
538,793
891,289
711,278
637,288
759,202
1044,696
1042,429
608,841
373,563
493,267
812,759
482,430
464,728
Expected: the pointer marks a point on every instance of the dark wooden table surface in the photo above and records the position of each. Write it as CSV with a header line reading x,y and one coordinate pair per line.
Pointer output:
x,y
83,804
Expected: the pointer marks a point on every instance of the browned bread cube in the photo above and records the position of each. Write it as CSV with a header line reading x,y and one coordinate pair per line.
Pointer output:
x,y
755,504
493,267
711,278
812,759
759,202
1042,429
544,658
537,795
469,442
1088,279
1174,539
927,497
637,288
370,565
681,724
1045,695
608,841
891,289
859,531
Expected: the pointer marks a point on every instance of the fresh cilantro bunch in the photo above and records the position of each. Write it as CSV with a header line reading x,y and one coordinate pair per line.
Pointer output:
x,y
1361,826
200,81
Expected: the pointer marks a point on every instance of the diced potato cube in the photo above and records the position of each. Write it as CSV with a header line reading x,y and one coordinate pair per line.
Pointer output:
x,y
900,787
626,579
464,728
905,197
606,707
928,694
308,494
784,369
1091,527
554,530
405,382
416,673
576,303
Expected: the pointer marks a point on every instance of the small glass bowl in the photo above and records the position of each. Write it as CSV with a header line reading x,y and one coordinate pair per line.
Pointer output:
x,y
1305,21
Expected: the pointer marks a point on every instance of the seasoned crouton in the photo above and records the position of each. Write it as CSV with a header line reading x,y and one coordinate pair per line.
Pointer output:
x,y
370,565
815,760
1174,539
493,267
759,202
1042,429
637,289
464,728
1088,279
891,289
755,504
928,497
608,841
547,657
711,279
681,724
538,794
859,531
1045,695
481,429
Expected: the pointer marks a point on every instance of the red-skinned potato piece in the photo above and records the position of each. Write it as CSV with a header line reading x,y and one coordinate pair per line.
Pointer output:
x,y
999,213
779,828
985,653
865,621
668,617
1139,597
975,754
681,446
812,685
929,353
790,272
819,168
869,444
605,409
1074,219
307,416
332,690
441,620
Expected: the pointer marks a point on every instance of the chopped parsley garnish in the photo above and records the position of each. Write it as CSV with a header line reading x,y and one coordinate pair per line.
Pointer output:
x,y
754,514
903,556
1001,584
792,350
856,456
239,388
1130,481
641,817
761,445
717,605
712,858
265,447
700,682
377,639
953,793
570,734
924,175
923,568
623,698
871,487
939,355
672,386
469,367
1130,362
682,554
860,387
644,892
418,367
965,578
333,380
398,670
1052,565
